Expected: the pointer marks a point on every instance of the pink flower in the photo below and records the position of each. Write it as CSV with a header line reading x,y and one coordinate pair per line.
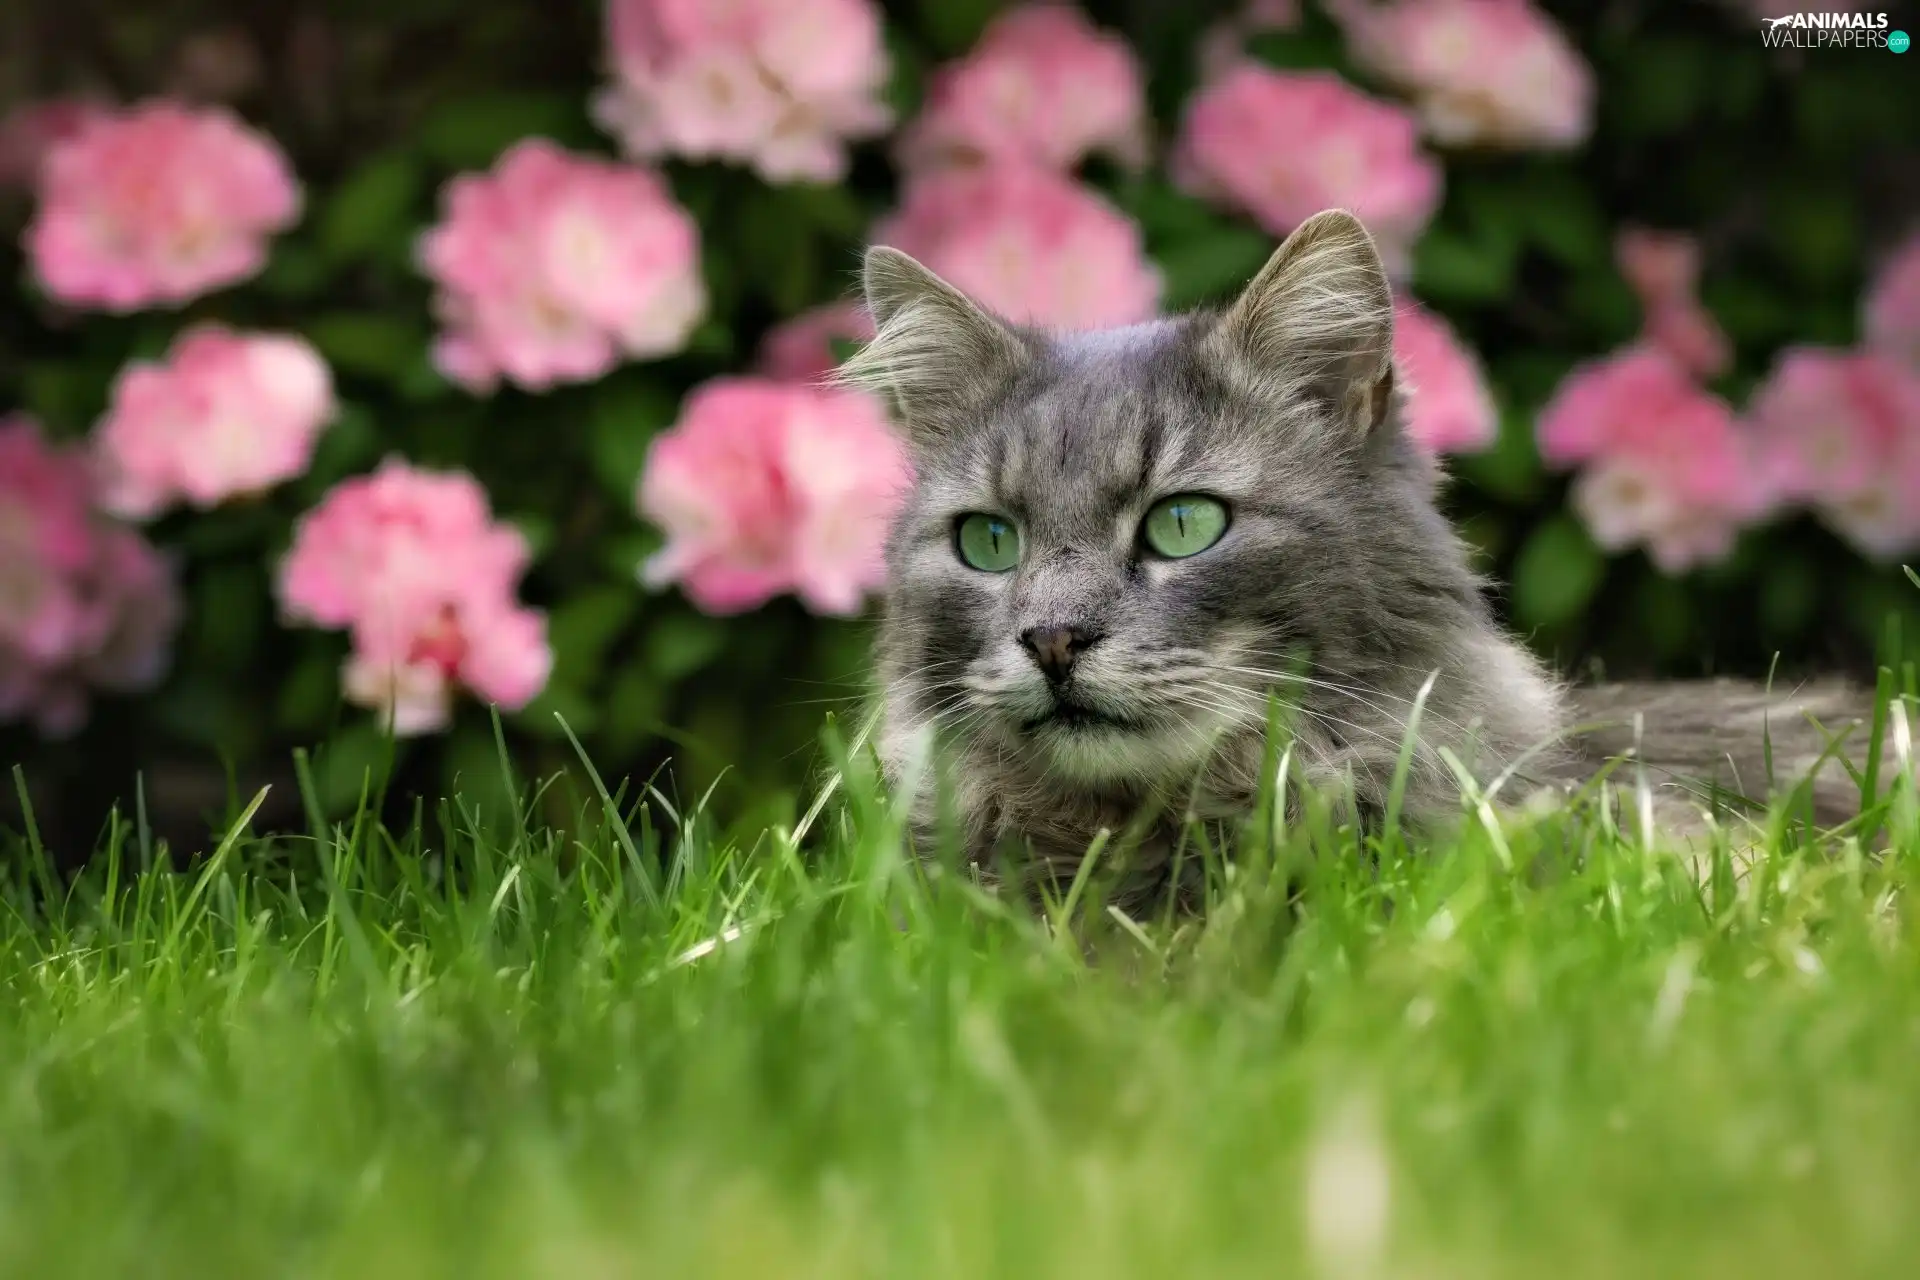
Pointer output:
x,y
1043,85
553,268
1893,305
1449,407
1663,270
1032,244
1840,431
764,487
28,132
1663,464
1484,72
157,205
225,415
414,565
801,350
778,85
83,603
1282,146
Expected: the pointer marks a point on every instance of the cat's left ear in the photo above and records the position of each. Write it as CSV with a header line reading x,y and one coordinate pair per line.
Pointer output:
x,y
1320,312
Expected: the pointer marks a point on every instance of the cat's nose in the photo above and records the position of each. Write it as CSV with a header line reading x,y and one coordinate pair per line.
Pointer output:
x,y
1056,649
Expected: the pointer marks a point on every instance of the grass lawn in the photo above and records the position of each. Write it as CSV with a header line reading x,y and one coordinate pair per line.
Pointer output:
x,y
477,1045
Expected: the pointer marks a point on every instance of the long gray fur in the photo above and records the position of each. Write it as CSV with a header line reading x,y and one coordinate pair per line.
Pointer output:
x,y
1338,588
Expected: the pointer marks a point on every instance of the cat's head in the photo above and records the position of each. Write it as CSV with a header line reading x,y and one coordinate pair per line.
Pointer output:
x,y
1118,541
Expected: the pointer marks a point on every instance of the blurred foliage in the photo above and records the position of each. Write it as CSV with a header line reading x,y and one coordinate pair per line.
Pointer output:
x,y
1793,171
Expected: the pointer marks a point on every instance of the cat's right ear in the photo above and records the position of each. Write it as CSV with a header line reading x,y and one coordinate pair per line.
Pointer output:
x,y
935,352
1321,313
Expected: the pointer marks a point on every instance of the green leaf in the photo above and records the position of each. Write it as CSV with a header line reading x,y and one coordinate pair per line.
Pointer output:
x,y
1307,49
952,26
357,757
241,526
537,718
831,208
1789,595
679,644
1213,267
64,394
906,81
713,339
1663,616
626,415
1562,217
294,273
624,554
778,254
1556,573
1663,87
1603,305
1751,310
371,208
229,611
1166,213
1816,230
422,383
469,132
350,443
1450,266
371,344
207,712
310,692
537,529
582,629
635,708
1508,469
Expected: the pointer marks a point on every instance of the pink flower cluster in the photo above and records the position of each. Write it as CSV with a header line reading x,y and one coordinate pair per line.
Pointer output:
x,y
1282,146
157,205
1839,431
225,415
414,565
1449,408
1664,466
554,267
84,603
1663,270
1494,73
779,85
1043,86
764,487
1029,243
1893,305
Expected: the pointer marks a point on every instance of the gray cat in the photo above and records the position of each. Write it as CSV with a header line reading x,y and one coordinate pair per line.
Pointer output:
x,y
1122,547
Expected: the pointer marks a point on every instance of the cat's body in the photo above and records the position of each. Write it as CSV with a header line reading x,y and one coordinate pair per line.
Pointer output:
x,y
1704,744
1068,673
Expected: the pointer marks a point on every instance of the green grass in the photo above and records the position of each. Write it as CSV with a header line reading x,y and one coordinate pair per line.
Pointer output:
x,y
475,1045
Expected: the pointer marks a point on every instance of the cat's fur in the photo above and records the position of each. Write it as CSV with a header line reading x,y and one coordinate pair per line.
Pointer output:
x,y
1338,586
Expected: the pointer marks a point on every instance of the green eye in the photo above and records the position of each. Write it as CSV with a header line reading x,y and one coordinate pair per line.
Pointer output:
x,y
1185,525
989,543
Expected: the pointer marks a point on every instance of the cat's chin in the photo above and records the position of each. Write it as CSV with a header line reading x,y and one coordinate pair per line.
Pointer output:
x,y
1105,752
